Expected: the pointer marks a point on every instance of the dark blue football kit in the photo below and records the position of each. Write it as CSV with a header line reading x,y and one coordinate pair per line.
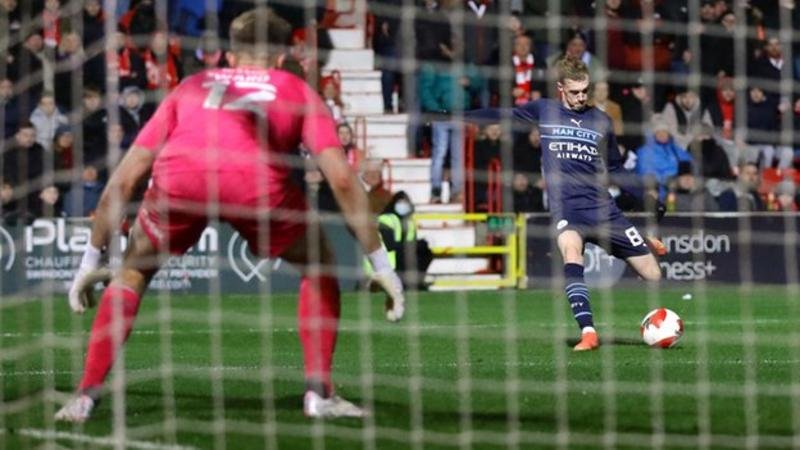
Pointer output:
x,y
579,155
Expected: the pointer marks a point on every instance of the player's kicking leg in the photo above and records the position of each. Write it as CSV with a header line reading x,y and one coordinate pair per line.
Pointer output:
x,y
318,324
112,324
570,243
646,266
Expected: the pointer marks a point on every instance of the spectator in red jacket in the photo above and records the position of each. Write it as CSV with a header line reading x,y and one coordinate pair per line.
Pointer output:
x,y
51,22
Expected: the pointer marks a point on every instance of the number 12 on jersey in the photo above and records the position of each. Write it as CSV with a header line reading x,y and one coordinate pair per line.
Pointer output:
x,y
257,93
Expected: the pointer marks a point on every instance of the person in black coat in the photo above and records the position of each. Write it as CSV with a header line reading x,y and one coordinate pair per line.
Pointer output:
x,y
386,42
527,182
94,123
637,108
433,32
487,152
93,26
25,70
762,132
9,104
743,196
24,169
766,70
714,160
69,63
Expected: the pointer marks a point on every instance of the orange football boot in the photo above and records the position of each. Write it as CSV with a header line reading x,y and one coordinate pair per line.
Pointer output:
x,y
589,341
656,246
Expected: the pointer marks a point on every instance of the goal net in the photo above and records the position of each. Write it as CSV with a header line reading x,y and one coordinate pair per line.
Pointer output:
x,y
693,107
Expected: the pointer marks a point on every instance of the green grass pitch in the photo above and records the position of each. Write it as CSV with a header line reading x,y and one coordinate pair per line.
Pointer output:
x,y
483,370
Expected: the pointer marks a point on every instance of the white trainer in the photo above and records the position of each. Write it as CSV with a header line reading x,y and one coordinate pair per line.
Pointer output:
x,y
315,406
77,410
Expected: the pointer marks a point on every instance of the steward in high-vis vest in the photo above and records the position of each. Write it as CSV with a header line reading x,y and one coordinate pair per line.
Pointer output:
x,y
409,257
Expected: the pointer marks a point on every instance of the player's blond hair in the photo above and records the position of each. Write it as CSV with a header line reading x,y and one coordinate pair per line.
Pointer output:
x,y
571,69
249,30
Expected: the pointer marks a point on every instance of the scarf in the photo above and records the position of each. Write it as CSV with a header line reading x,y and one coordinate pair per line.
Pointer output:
x,y
523,73
726,110
160,74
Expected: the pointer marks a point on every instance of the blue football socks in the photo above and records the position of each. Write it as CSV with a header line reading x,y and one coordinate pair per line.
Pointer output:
x,y
578,295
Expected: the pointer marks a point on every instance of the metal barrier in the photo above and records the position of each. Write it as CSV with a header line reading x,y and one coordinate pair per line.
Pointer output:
x,y
510,226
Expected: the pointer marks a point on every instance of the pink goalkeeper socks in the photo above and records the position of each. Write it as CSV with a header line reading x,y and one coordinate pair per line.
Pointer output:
x,y
318,320
111,328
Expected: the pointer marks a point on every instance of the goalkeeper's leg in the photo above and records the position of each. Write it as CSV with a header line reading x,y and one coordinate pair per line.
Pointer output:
x,y
113,322
318,322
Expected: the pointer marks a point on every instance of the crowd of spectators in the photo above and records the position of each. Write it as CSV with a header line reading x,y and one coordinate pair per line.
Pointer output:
x,y
77,82
696,109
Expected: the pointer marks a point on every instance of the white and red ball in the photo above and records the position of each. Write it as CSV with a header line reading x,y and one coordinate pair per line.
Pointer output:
x,y
661,328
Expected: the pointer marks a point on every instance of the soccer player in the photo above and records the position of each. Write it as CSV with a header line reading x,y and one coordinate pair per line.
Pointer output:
x,y
579,154
218,146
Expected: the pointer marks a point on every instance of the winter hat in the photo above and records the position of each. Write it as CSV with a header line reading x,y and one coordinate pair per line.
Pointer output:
x,y
786,187
658,123
62,129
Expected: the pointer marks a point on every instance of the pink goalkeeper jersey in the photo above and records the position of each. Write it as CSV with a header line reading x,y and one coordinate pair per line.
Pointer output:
x,y
236,126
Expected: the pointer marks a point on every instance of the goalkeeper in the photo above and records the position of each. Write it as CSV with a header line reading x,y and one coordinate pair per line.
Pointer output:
x,y
579,156
219,146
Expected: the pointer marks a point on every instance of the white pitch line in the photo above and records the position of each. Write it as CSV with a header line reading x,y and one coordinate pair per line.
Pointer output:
x,y
32,373
87,439
252,330
449,364
347,328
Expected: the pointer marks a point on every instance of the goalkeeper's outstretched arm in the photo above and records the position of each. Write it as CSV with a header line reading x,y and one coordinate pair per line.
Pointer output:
x,y
353,202
351,197
132,171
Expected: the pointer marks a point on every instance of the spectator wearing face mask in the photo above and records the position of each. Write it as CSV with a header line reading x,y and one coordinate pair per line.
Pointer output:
x,y
409,256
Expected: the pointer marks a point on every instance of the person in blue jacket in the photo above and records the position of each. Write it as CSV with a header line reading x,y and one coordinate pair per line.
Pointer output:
x,y
658,159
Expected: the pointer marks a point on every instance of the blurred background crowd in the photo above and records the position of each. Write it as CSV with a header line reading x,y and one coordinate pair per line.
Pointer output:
x,y
702,93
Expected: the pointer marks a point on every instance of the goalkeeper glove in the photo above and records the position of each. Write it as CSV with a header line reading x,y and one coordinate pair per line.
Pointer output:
x,y
385,277
90,272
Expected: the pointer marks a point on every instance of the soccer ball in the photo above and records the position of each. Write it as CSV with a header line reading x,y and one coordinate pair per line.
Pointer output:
x,y
661,328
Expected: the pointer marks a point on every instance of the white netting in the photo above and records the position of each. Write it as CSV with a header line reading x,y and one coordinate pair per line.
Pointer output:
x,y
213,360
